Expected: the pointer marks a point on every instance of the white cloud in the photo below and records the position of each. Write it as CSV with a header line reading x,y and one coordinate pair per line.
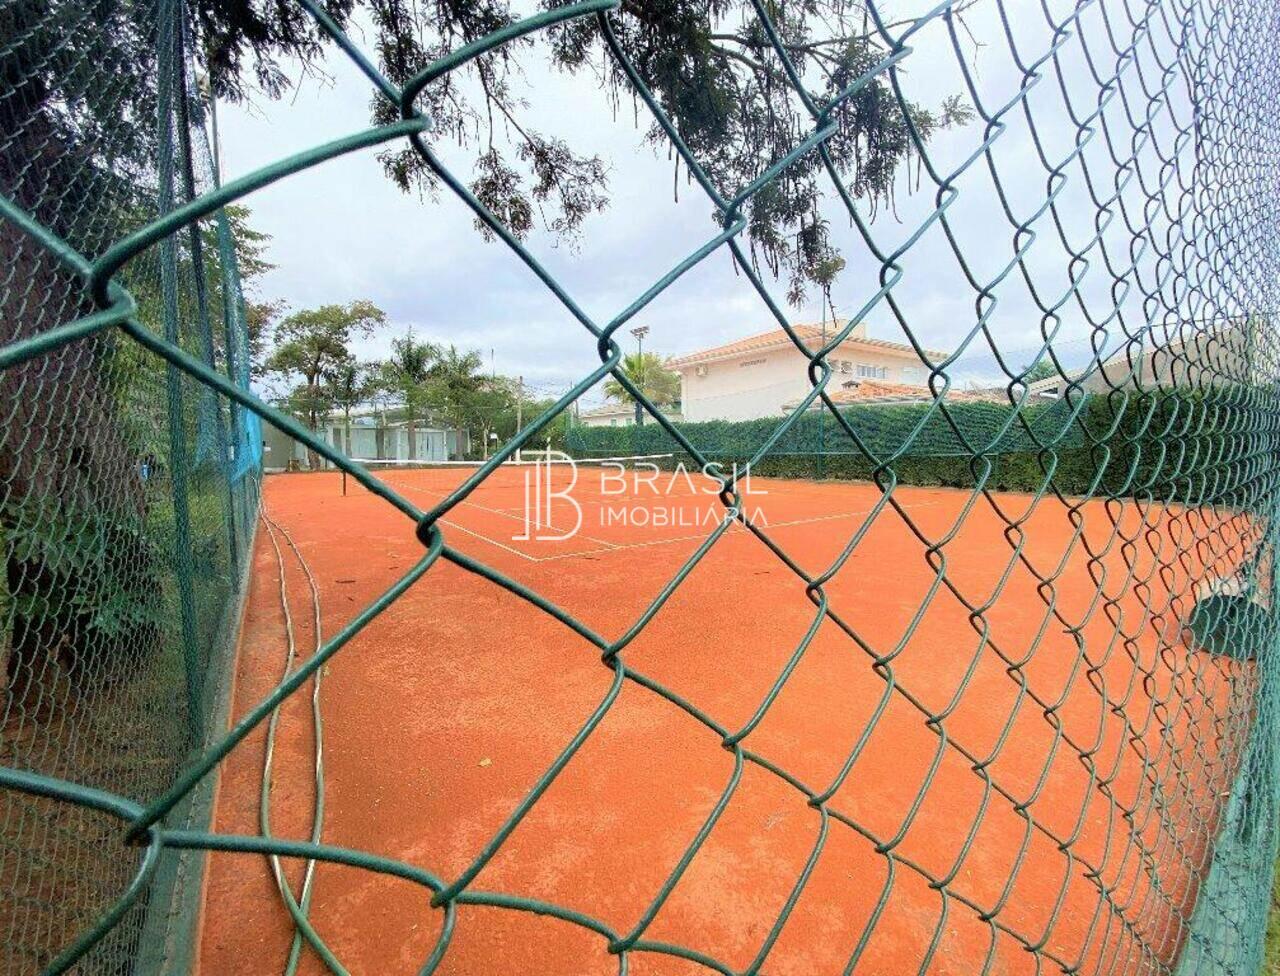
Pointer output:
x,y
342,231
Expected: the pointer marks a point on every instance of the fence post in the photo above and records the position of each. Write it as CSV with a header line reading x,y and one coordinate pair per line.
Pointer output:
x,y
166,64
208,397
239,434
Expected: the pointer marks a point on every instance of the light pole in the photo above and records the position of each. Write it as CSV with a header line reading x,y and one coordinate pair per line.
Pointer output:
x,y
822,414
519,410
640,331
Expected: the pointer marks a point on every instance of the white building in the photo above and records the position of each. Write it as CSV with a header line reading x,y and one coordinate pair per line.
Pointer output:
x,y
619,415
367,439
1186,357
759,376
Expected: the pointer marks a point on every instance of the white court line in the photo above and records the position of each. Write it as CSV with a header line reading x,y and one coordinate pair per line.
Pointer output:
x,y
687,538
616,547
494,542
495,511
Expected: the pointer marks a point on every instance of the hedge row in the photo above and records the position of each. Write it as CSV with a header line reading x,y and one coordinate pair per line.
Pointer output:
x,y
1192,445
964,429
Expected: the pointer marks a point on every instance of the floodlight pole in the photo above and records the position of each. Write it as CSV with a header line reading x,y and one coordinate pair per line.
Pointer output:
x,y
519,411
822,411
640,331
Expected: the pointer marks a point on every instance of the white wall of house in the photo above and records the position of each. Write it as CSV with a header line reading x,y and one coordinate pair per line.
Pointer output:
x,y
457,444
367,444
1208,355
761,383
430,444
622,416
1211,355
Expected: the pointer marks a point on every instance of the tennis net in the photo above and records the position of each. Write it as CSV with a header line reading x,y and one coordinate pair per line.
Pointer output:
x,y
506,471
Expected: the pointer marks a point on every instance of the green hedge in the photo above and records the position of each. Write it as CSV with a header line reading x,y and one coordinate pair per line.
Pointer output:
x,y
1190,445
973,427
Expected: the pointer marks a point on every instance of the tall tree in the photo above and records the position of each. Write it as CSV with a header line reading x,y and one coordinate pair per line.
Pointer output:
x,y
251,264
1040,371
310,346
457,369
351,383
553,434
648,372
249,247
79,154
406,378
709,63
489,408
458,377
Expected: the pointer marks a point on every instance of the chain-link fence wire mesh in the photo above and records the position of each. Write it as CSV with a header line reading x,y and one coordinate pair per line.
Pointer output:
x,y
127,492
112,336
930,448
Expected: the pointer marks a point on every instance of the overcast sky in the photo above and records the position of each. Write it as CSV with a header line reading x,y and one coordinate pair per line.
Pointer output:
x,y
342,231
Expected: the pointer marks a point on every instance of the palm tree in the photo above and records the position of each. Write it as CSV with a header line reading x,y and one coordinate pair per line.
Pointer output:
x,y
457,370
1040,371
406,377
648,372
350,384
460,381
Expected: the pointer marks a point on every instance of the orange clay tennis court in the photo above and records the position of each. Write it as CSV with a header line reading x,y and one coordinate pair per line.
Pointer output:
x,y
1012,759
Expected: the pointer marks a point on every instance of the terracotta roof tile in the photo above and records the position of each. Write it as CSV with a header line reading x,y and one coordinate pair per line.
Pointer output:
x,y
860,391
877,391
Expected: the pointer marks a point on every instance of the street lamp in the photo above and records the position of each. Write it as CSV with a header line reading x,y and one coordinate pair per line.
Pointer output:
x,y
640,331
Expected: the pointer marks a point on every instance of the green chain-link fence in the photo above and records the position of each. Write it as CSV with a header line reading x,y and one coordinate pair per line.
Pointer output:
x,y
128,491
129,455
929,447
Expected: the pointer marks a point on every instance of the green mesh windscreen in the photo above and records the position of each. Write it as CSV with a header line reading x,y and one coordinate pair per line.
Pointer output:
x,y
128,490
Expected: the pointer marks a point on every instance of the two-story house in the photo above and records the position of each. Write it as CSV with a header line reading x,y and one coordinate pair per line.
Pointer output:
x,y
761,375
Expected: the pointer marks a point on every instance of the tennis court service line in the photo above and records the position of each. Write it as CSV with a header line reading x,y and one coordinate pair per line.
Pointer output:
x,y
618,547
518,515
494,542
521,517
688,538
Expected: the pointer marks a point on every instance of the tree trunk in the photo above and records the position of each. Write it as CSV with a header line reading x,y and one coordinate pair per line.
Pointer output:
x,y
413,438
313,424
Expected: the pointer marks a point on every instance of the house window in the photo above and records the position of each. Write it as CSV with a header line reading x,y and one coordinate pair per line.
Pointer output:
x,y
613,421
869,372
911,374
